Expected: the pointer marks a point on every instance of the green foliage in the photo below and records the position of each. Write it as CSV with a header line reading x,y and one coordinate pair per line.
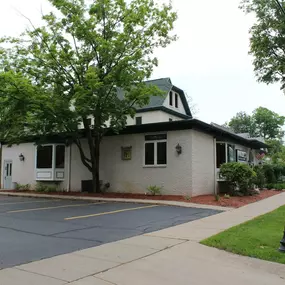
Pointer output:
x,y
154,190
259,180
227,196
44,187
241,123
258,238
267,39
262,123
56,76
276,186
187,197
23,187
217,198
240,176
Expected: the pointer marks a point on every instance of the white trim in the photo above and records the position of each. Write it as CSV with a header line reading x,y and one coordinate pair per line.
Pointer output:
x,y
155,154
215,166
53,170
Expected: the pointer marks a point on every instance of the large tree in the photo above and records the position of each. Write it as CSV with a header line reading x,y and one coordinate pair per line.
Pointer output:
x,y
241,123
262,123
267,42
57,76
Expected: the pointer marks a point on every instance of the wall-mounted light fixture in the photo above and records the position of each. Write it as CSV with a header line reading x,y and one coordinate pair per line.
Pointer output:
x,y
178,149
21,157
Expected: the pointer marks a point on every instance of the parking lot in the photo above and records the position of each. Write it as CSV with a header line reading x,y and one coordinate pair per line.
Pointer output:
x,y
32,229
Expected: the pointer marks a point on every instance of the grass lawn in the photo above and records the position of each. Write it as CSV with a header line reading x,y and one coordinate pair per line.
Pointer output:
x,y
259,238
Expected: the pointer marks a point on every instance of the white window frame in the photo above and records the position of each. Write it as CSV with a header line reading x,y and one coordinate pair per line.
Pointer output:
x,y
53,173
155,154
226,149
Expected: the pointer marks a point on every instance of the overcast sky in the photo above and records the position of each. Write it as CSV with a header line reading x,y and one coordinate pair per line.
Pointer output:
x,y
210,60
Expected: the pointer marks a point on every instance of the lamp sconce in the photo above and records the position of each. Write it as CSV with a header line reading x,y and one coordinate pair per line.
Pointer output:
x,y
178,149
21,157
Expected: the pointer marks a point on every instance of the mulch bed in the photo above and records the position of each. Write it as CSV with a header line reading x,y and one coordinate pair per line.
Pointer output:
x,y
234,202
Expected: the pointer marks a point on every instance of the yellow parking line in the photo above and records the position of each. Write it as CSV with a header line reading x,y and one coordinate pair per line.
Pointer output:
x,y
108,213
56,207
27,202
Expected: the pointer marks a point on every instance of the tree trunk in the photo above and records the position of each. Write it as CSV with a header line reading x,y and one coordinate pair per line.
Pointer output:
x,y
96,166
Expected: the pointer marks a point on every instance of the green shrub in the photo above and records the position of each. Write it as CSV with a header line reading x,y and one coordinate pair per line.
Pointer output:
x,y
217,198
44,187
276,186
154,190
260,179
269,173
240,176
227,196
23,187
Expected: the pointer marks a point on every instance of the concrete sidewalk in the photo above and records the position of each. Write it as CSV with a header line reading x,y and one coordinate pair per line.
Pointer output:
x,y
171,256
99,199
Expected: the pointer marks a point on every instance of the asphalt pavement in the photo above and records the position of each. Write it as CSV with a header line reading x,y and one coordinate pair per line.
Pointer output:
x,y
33,229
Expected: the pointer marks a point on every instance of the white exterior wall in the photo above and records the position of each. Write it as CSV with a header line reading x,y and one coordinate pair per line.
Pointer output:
x,y
180,108
23,172
129,175
203,164
152,117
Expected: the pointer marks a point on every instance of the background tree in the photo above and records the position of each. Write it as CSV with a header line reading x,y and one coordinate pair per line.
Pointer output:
x,y
268,124
262,123
241,123
57,76
267,42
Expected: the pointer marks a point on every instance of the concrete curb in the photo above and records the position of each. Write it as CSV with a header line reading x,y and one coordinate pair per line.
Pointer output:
x,y
122,200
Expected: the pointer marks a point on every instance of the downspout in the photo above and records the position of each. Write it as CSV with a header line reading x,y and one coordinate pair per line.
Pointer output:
x,y
215,165
69,169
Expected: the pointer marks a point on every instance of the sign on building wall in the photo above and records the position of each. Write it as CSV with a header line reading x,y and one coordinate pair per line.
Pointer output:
x,y
241,156
126,153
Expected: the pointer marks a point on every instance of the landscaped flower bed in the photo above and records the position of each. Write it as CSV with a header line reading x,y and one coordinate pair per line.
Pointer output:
x,y
223,201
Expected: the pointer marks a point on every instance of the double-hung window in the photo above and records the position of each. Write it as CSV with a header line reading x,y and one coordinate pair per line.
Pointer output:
x,y
155,150
50,162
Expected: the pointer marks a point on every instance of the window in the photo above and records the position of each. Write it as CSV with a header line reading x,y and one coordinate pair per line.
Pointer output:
x,y
231,153
44,156
59,157
170,98
155,150
176,100
138,120
220,154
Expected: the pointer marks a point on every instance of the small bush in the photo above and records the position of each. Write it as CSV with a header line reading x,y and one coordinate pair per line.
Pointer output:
x,y
23,187
154,190
187,197
217,198
227,196
259,180
43,187
276,186
240,176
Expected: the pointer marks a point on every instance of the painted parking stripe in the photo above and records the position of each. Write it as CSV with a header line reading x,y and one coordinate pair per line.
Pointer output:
x,y
108,213
27,202
55,207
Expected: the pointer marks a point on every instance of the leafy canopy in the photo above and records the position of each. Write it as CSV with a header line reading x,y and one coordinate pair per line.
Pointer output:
x,y
56,76
262,123
267,42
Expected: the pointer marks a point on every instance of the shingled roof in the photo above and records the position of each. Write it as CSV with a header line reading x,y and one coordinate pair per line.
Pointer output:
x,y
156,102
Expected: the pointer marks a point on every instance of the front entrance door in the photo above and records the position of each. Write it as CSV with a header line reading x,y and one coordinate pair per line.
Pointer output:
x,y
7,174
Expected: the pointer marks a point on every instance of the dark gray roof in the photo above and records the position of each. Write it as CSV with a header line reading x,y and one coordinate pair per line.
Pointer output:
x,y
165,85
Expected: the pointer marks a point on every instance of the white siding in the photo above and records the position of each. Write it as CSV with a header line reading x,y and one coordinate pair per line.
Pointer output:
x,y
131,176
23,172
180,108
152,117
203,164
